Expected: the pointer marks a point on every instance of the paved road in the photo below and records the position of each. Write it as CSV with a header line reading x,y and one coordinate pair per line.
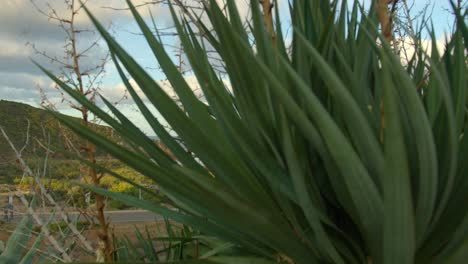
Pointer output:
x,y
116,217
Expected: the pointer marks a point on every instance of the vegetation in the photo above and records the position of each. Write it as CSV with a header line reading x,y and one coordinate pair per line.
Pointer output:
x,y
335,152
63,173
57,168
44,132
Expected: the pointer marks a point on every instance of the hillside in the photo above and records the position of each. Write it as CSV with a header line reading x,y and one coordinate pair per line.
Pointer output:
x,y
14,118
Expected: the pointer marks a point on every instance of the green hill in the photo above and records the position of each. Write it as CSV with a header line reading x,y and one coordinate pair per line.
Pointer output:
x,y
43,128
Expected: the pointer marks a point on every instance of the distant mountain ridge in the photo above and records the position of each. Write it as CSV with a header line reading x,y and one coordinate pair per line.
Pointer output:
x,y
43,128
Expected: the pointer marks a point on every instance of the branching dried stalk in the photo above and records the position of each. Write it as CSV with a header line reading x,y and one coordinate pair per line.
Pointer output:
x,y
45,230
75,75
30,210
27,170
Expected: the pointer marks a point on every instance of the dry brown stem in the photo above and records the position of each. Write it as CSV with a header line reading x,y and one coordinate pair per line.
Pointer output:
x,y
267,7
385,18
86,82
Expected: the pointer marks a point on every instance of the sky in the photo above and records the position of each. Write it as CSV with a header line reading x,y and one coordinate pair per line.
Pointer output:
x,y
25,32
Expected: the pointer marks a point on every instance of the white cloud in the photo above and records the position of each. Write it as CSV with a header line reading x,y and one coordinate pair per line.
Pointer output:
x,y
11,48
127,107
117,92
407,48
21,23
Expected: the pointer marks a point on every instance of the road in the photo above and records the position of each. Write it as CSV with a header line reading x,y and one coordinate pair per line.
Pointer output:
x,y
116,217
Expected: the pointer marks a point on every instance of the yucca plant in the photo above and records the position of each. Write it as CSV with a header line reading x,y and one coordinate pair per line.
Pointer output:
x,y
172,244
335,152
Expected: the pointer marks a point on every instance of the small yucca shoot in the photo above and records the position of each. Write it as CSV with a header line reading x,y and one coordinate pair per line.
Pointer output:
x,y
294,162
